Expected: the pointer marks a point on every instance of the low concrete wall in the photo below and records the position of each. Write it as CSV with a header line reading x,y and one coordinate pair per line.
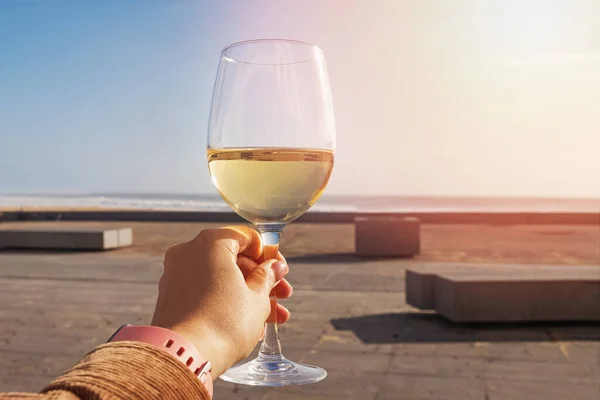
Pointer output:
x,y
500,218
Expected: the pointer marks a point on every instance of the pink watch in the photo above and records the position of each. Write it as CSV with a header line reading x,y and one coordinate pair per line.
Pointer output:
x,y
172,343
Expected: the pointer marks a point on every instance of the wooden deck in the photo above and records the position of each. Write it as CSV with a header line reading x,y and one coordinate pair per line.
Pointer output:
x,y
348,316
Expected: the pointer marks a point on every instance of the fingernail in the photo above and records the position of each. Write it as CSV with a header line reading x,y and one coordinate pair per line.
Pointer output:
x,y
279,268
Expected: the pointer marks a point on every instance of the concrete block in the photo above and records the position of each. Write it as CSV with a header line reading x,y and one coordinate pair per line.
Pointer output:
x,y
508,293
380,236
64,238
421,293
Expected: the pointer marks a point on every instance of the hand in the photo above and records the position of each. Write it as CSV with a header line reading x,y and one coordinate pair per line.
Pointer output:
x,y
214,294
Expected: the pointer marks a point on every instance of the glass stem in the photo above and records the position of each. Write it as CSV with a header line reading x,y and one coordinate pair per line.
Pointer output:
x,y
270,347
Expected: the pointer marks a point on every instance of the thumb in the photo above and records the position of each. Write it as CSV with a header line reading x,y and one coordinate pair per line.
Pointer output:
x,y
266,275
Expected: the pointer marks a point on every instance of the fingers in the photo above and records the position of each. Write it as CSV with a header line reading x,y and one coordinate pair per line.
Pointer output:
x,y
283,314
283,290
263,278
234,240
268,251
240,239
280,257
249,241
246,265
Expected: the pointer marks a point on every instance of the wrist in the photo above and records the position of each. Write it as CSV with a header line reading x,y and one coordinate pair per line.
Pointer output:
x,y
172,343
212,345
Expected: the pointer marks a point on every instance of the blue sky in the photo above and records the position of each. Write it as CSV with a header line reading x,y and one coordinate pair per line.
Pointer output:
x,y
104,96
467,99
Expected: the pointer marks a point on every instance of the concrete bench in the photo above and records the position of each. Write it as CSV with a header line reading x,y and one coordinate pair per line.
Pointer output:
x,y
506,293
59,237
381,236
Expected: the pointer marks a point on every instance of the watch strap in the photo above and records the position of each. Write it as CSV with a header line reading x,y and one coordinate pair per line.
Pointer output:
x,y
171,342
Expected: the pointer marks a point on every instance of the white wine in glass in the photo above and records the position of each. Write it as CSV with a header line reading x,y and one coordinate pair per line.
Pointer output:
x,y
271,145
270,184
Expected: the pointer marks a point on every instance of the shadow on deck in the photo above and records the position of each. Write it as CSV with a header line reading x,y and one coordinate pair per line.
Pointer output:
x,y
431,328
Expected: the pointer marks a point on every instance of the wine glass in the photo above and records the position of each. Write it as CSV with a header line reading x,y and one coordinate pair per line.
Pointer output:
x,y
271,143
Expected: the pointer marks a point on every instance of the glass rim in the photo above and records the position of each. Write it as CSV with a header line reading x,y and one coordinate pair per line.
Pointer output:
x,y
253,41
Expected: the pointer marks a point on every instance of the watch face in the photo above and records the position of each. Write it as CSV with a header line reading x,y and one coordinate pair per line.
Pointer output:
x,y
115,334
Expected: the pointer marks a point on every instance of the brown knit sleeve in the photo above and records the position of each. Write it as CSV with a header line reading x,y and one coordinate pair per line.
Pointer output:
x,y
123,370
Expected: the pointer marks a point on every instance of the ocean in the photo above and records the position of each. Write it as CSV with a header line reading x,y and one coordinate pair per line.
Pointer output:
x,y
328,203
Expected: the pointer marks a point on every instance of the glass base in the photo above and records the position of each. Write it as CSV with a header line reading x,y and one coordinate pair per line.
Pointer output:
x,y
273,371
